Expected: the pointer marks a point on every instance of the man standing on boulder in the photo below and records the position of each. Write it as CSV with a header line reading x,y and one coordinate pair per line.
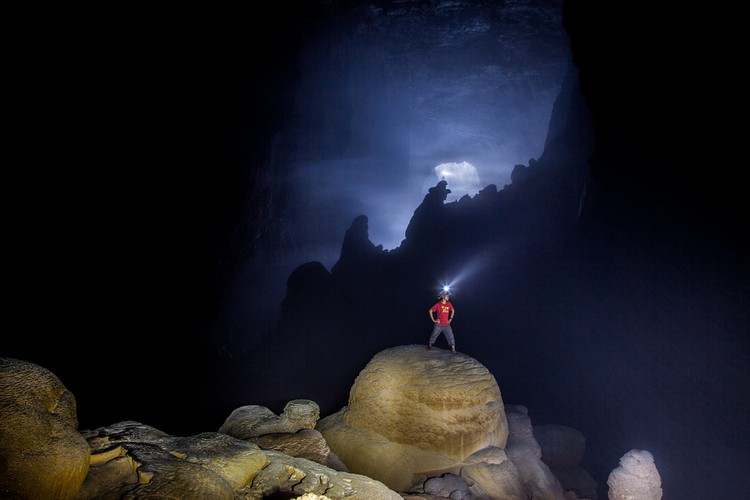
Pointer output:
x,y
442,317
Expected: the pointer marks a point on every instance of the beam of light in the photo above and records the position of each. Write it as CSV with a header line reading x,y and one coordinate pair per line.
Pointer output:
x,y
463,276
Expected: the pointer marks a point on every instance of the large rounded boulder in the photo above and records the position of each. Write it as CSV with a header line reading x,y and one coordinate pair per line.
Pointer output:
x,y
42,454
414,413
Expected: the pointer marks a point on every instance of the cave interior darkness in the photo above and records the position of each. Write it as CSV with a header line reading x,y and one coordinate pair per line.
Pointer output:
x,y
167,171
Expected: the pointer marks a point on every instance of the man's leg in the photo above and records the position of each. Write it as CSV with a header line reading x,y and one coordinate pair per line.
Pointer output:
x,y
448,332
433,336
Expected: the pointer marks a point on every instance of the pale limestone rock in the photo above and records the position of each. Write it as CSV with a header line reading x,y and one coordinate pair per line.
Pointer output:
x,y
490,474
525,453
447,486
434,400
111,471
494,481
636,478
307,443
298,476
400,467
134,460
539,480
519,427
41,451
250,421
415,414
489,455
129,458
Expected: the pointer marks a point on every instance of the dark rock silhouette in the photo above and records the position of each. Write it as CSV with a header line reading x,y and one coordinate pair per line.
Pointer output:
x,y
358,253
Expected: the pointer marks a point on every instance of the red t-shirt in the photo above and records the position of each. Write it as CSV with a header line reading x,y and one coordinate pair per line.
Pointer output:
x,y
443,311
